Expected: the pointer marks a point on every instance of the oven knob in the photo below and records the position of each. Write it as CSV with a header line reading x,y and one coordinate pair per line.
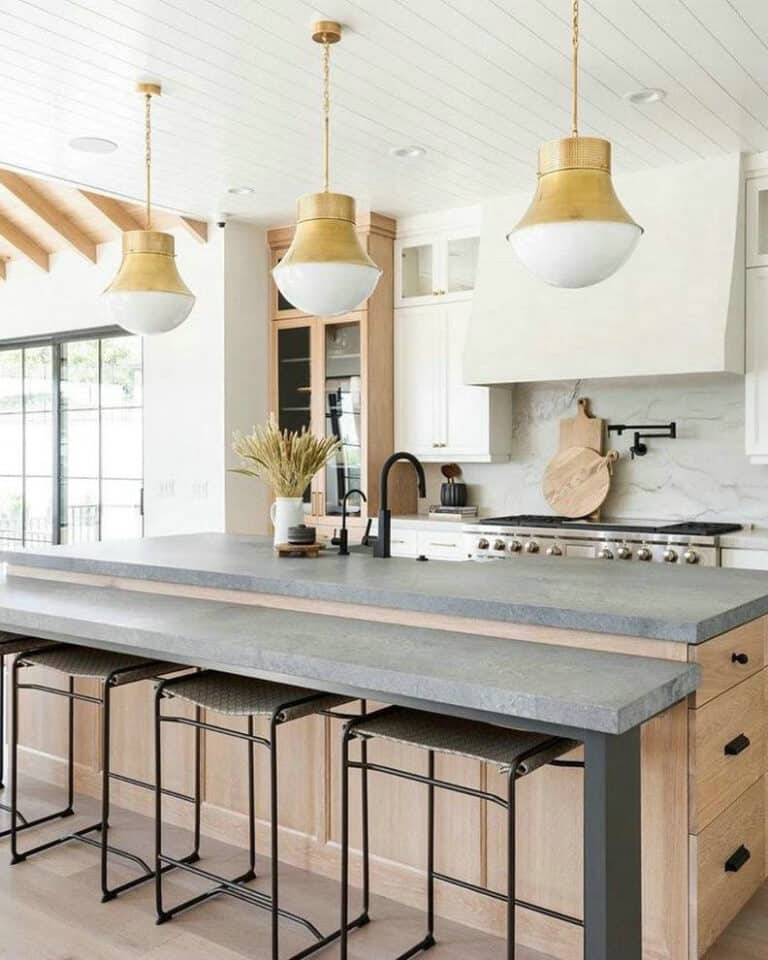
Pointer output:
x,y
515,546
670,555
499,545
690,556
645,553
555,550
605,553
531,546
624,552
482,544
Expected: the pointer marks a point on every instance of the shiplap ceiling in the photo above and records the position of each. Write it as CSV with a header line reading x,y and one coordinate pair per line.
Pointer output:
x,y
478,83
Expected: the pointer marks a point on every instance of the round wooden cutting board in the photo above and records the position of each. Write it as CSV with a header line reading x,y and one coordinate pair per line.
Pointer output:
x,y
577,481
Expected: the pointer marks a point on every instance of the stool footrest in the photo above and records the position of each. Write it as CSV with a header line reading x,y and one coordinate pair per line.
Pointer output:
x,y
524,904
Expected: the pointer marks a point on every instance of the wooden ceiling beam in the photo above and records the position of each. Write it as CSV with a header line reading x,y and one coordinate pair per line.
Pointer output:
x,y
197,228
59,221
2,268
24,243
113,210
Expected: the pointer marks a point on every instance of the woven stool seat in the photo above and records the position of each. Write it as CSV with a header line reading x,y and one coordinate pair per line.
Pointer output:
x,y
248,697
11,643
465,738
76,661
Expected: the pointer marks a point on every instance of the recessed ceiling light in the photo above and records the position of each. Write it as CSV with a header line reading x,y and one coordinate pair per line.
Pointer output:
x,y
646,95
408,153
241,191
93,145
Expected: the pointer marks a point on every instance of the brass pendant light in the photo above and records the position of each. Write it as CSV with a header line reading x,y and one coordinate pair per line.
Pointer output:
x,y
575,232
148,295
326,271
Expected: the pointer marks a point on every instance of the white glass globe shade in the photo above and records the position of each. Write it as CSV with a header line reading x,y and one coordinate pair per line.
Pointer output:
x,y
147,312
326,289
575,253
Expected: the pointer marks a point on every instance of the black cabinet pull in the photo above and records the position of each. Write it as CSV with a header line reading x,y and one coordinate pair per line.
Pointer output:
x,y
737,745
741,658
736,861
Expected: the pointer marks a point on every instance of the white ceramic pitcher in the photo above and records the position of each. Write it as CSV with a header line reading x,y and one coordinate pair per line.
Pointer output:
x,y
286,512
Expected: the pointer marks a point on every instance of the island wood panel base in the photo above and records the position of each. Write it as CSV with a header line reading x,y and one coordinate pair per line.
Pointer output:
x,y
549,819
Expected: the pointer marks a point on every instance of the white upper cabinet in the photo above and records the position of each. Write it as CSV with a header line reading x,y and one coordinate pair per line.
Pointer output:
x,y
437,416
756,379
757,222
436,266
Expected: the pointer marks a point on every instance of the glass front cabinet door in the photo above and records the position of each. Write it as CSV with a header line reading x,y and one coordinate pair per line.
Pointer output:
x,y
436,268
318,385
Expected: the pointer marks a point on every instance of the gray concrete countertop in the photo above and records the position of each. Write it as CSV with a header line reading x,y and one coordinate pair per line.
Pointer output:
x,y
481,676
657,601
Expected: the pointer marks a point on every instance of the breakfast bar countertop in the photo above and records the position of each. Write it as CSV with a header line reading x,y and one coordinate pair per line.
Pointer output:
x,y
608,693
655,601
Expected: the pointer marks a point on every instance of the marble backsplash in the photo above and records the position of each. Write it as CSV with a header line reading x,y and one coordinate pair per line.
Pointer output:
x,y
703,474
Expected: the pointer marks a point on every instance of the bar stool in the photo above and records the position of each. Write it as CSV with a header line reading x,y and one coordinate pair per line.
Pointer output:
x,y
111,670
517,752
237,696
11,644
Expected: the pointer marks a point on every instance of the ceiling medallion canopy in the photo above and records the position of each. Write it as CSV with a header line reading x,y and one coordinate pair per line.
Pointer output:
x,y
575,232
147,295
326,271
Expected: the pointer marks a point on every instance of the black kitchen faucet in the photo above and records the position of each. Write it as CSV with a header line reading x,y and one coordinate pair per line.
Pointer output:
x,y
382,546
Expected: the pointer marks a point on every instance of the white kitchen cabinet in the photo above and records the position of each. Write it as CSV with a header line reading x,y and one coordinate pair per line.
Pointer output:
x,y
756,379
757,222
744,559
436,267
437,416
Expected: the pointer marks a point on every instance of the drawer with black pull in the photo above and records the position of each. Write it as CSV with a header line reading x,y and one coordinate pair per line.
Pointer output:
x,y
727,749
727,865
729,659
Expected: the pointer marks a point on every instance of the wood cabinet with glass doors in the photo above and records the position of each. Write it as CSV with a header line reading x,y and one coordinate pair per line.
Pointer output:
x,y
334,375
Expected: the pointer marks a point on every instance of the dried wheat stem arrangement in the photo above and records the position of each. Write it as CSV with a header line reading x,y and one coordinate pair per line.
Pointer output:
x,y
286,460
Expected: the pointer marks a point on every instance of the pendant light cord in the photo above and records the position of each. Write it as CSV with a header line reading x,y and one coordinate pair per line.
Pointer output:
x,y
326,112
148,153
575,68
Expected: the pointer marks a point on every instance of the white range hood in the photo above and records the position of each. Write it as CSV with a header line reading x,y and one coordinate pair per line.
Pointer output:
x,y
676,307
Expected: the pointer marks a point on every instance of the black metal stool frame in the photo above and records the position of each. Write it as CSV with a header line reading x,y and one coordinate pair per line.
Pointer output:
x,y
235,887
22,822
508,803
101,826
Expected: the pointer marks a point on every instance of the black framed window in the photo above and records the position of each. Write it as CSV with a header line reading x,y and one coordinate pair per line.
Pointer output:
x,y
71,467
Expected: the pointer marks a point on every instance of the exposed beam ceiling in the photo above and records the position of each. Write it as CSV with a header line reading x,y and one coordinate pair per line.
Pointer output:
x,y
113,210
55,218
196,228
24,243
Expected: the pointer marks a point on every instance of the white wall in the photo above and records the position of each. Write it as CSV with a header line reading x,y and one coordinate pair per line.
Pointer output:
x,y
200,381
703,474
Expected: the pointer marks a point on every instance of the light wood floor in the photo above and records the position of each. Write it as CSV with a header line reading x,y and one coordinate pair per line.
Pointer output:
x,y
50,909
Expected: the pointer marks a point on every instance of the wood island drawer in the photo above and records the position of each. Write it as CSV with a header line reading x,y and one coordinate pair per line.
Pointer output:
x,y
726,744
728,659
727,866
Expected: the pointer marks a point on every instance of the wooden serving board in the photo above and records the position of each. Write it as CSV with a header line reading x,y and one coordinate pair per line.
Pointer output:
x,y
577,481
299,549
582,430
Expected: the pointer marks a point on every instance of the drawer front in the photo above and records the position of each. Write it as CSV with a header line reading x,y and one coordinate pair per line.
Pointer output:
x,y
726,743
404,543
442,546
728,862
728,659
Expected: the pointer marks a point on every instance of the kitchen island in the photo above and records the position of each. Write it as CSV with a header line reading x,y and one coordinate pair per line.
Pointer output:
x,y
511,671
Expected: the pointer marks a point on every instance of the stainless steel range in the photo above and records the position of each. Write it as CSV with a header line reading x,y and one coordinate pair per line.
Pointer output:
x,y
556,537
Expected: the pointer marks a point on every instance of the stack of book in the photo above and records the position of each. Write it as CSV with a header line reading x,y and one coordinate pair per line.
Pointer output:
x,y
452,513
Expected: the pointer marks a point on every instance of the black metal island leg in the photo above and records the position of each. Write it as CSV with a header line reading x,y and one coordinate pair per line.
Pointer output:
x,y
612,847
